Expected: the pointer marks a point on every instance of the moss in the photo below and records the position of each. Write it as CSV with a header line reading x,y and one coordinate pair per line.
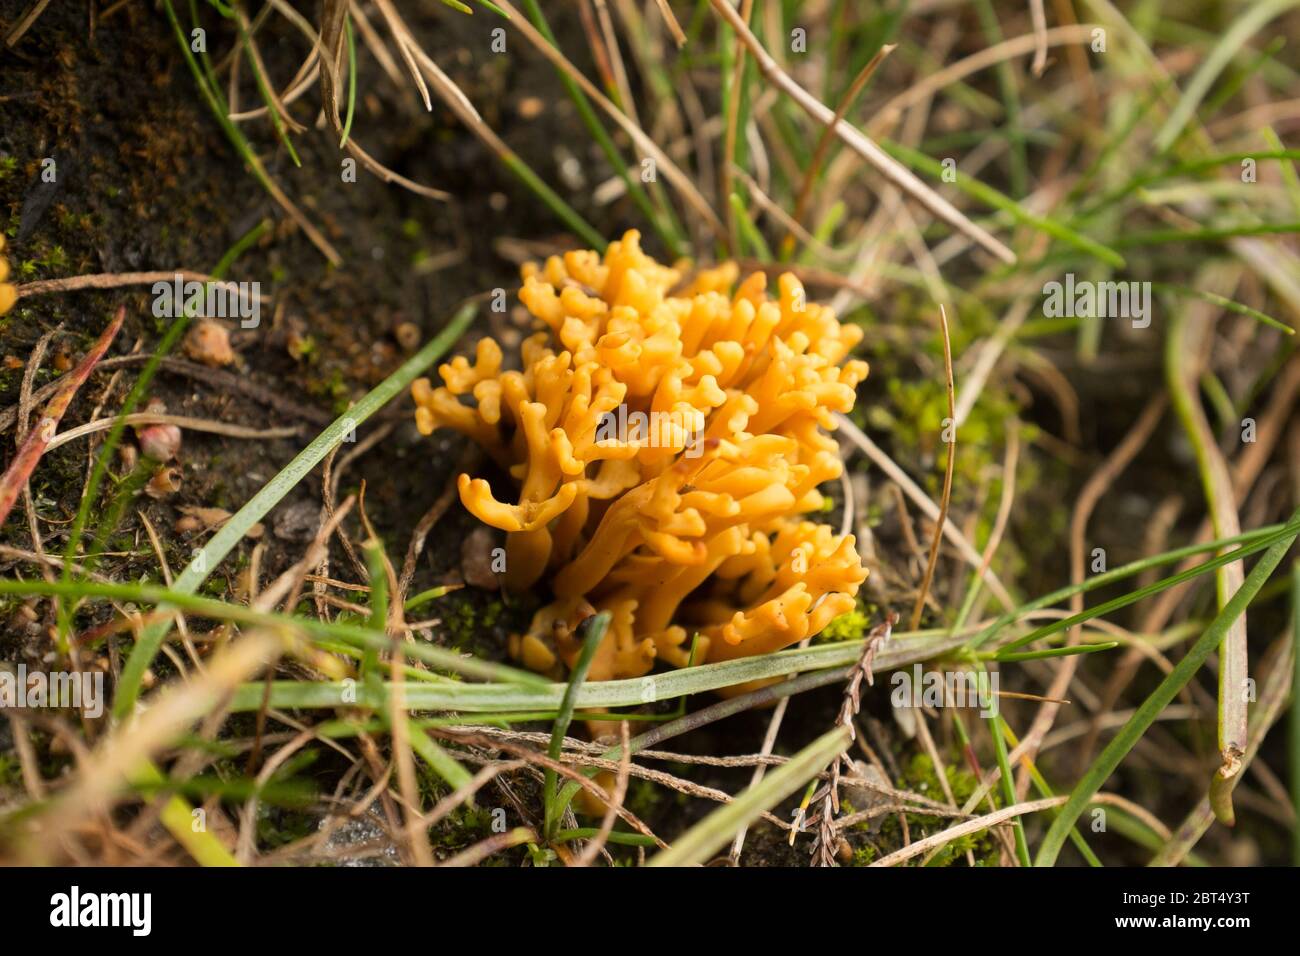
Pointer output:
x,y
11,773
865,855
919,776
462,828
49,260
643,798
471,620
847,627
277,826
334,388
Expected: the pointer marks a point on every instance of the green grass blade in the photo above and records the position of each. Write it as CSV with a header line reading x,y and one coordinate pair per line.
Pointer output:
x,y
1161,237
704,839
1055,652
1160,698
1225,303
595,628
356,635
1245,26
352,80
1118,574
989,196
634,692
1007,782
1295,711
224,541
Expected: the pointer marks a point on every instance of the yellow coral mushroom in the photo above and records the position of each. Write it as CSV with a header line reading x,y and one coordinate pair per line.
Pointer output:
x,y
665,445
8,291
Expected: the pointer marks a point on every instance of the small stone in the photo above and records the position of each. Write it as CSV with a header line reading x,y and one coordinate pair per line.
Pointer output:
x,y
531,107
407,335
209,344
476,559
297,522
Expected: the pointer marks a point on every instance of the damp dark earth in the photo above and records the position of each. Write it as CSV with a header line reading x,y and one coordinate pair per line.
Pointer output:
x,y
626,433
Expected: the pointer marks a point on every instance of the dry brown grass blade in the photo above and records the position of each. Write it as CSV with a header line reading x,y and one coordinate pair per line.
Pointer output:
x,y
969,826
1006,50
885,164
680,181
112,763
670,20
1093,489
917,496
331,40
824,141
946,496
34,445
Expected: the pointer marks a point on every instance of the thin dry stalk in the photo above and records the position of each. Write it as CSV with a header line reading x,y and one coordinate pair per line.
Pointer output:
x,y
184,422
885,164
670,20
945,837
919,498
680,181
827,137
1039,19
593,848
1092,492
946,497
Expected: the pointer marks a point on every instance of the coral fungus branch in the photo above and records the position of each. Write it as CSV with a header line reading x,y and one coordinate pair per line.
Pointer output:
x,y
665,449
